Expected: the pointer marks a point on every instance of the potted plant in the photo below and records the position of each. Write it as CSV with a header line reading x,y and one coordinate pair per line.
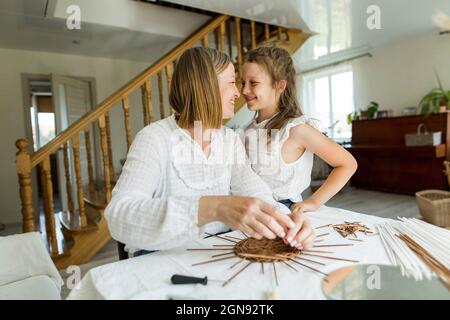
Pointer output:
x,y
370,113
436,100
352,116
372,109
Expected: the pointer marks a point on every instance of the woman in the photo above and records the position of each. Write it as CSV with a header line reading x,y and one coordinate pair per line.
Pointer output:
x,y
180,181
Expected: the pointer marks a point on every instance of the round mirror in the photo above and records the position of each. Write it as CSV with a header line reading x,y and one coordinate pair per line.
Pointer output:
x,y
375,282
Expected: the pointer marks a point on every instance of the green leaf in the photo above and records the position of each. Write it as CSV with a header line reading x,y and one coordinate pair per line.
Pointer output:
x,y
438,80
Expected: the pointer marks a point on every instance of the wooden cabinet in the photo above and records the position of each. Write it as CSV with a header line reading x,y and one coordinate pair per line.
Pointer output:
x,y
386,164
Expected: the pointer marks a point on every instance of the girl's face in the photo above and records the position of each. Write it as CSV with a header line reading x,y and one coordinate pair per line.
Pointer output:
x,y
228,91
258,90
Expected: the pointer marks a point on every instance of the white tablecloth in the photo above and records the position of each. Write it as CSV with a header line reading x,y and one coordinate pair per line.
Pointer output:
x,y
148,276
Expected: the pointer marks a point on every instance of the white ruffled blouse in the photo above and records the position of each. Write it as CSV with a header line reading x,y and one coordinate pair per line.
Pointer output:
x,y
154,204
287,180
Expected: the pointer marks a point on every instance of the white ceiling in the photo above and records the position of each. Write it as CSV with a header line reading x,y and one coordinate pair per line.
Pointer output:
x,y
134,30
127,30
344,29
278,12
347,29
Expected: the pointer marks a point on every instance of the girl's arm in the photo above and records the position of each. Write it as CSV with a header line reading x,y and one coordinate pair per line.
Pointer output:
x,y
343,163
344,166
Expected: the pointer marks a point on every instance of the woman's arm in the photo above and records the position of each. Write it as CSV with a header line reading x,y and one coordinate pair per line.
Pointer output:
x,y
135,215
252,208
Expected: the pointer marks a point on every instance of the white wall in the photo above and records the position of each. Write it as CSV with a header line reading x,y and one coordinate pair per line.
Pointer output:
x,y
109,74
400,74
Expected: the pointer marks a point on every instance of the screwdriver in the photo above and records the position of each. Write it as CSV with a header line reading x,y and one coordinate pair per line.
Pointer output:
x,y
181,279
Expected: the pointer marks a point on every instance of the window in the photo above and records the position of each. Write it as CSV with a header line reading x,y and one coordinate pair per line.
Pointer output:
x,y
331,19
42,123
327,96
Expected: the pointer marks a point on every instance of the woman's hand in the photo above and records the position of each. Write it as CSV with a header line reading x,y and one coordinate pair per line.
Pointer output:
x,y
302,235
251,215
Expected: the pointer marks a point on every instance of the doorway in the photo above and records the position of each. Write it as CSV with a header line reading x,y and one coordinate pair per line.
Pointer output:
x,y
51,104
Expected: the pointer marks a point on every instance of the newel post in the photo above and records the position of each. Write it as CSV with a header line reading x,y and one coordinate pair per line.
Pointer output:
x,y
23,167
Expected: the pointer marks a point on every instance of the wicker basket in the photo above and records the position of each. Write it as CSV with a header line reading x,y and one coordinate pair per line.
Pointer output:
x,y
434,205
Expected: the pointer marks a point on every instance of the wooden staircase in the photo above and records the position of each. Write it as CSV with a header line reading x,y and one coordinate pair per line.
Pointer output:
x,y
76,235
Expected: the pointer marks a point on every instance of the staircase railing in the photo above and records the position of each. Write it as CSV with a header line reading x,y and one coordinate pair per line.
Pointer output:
x,y
222,29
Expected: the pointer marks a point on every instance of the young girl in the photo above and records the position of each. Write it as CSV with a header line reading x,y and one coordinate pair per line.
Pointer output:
x,y
283,156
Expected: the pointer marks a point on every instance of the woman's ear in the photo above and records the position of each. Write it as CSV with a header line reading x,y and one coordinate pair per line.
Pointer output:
x,y
282,86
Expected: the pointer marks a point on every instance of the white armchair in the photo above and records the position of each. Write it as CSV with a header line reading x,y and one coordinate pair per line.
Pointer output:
x,y
26,269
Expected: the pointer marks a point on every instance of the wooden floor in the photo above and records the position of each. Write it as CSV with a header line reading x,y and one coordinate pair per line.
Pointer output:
x,y
380,204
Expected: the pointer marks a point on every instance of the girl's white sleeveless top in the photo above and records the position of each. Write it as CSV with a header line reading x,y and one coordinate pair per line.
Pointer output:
x,y
287,180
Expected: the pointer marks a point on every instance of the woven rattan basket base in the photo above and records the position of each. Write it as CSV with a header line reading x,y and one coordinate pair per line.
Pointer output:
x,y
265,250
434,206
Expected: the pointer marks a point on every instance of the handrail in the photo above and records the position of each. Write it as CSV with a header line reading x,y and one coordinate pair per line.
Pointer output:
x,y
139,80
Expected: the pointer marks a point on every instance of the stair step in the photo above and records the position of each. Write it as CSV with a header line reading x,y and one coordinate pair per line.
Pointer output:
x,y
96,199
64,243
71,222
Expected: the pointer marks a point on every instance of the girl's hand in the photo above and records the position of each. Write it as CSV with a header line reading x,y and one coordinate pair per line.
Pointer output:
x,y
302,235
303,206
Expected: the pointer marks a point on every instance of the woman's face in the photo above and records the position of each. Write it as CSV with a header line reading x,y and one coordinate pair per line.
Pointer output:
x,y
257,88
228,91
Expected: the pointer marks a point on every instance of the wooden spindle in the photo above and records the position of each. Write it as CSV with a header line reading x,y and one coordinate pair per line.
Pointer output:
x,y
279,31
222,37
237,22
161,97
216,38
230,42
23,167
110,154
205,41
253,33
286,34
50,225
87,142
127,121
144,107
266,32
168,69
146,93
105,157
79,180
43,189
68,183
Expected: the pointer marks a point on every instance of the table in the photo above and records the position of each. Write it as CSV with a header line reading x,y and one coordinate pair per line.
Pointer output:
x,y
148,276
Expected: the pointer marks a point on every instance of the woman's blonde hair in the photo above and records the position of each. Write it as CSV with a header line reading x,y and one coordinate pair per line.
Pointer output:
x,y
194,91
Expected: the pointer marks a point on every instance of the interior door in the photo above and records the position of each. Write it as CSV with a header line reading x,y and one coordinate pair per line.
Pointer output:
x,y
71,100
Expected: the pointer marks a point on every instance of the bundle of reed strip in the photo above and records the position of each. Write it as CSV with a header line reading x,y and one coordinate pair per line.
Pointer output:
x,y
418,248
351,228
442,272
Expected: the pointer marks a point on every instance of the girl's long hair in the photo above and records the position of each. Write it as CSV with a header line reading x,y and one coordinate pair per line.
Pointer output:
x,y
279,65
